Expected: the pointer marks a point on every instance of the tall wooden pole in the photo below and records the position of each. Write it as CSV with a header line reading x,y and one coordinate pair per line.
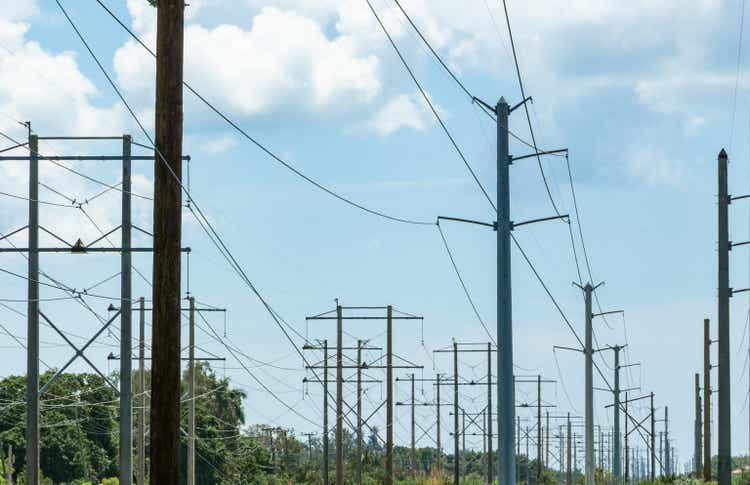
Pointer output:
x,y
165,372
389,399
339,399
326,454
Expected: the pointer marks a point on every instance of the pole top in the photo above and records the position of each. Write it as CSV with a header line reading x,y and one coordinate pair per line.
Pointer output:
x,y
723,154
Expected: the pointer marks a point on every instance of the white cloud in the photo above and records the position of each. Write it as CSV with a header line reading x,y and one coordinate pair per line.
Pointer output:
x,y
403,111
653,167
219,145
282,61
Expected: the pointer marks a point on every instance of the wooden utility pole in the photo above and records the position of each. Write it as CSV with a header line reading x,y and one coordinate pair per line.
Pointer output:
x,y
569,476
389,399
339,399
455,415
697,457
490,481
165,377
359,412
191,396
706,400
413,432
325,413
141,443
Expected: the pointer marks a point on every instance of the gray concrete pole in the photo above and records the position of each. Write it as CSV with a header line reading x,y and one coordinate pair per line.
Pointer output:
x,y
339,399
707,400
32,315
506,458
455,416
589,410
126,324
141,442
191,395
489,414
359,412
725,382
617,470
546,451
326,453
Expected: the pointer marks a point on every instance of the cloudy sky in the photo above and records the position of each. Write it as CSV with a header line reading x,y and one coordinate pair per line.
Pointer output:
x,y
644,94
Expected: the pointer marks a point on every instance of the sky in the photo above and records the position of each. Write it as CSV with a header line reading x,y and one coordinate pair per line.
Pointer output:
x,y
643,94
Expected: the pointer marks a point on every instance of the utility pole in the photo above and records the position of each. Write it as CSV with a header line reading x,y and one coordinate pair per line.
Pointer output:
x,y
725,382
539,429
389,399
667,459
627,455
32,315
490,481
506,459
413,432
439,448
546,453
706,401
698,452
126,322
165,395
617,472
339,399
455,415
141,443
359,412
653,439
191,396
589,409
326,453
569,480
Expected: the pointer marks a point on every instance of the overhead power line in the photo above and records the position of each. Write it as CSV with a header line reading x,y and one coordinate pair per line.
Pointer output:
x,y
429,103
261,146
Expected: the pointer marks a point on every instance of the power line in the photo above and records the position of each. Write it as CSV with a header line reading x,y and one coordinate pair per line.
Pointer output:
x,y
463,285
526,108
429,103
242,132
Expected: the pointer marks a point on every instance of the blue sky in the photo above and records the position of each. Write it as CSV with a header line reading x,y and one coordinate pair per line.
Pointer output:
x,y
643,95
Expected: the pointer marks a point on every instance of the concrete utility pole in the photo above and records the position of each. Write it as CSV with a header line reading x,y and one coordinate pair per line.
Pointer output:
x,y
339,399
546,451
191,396
617,471
32,315
697,468
326,453
589,411
165,373
506,459
706,401
725,382
126,321
539,429
141,443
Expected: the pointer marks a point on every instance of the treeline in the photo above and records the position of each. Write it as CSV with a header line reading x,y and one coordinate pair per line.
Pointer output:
x,y
79,440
